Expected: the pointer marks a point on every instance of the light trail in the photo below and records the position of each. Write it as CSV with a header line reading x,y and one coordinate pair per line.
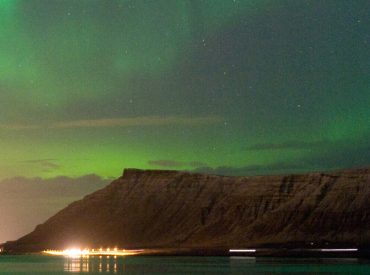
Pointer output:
x,y
242,250
338,249
308,250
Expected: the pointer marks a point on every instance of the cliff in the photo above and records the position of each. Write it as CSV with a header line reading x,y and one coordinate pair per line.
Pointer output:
x,y
171,209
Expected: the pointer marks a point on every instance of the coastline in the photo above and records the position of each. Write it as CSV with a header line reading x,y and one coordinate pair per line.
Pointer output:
x,y
361,253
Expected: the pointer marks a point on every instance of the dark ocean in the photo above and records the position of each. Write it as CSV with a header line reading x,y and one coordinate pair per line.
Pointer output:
x,y
37,264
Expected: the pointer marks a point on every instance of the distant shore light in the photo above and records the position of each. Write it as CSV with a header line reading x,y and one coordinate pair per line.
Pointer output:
x,y
93,252
339,249
242,250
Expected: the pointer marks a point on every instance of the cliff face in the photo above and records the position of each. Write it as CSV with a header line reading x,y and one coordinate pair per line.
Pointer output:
x,y
180,209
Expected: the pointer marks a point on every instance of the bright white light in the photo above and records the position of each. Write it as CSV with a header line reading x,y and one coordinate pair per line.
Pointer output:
x,y
93,252
339,249
73,252
242,250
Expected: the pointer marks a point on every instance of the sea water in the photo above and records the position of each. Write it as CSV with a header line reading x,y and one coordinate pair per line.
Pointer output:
x,y
37,264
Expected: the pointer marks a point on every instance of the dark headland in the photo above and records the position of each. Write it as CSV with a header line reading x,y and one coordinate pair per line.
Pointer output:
x,y
186,213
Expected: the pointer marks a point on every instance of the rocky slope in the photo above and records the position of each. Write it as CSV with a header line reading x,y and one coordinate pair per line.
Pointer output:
x,y
179,209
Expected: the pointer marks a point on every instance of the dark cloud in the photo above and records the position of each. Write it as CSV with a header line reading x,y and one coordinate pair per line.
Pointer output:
x,y
26,202
196,163
37,160
322,156
174,163
343,157
347,157
294,145
119,122
251,170
47,165
165,163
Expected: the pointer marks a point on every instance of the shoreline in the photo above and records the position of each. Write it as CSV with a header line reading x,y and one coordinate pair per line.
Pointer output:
x,y
261,252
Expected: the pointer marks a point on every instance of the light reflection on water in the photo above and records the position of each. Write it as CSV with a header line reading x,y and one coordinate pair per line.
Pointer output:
x,y
92,264
155,265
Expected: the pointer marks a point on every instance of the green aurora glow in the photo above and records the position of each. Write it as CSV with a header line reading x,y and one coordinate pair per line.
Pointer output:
x,y
231,87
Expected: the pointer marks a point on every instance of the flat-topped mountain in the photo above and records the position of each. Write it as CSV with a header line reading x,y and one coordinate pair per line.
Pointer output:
x,y
172,209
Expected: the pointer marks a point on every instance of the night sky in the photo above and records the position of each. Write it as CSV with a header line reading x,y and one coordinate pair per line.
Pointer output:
x,y
221,86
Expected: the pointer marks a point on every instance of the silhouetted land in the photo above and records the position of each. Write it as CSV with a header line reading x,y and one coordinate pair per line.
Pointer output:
x,y
198,214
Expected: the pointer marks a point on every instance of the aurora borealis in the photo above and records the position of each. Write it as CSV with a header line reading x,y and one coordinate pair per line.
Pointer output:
x,y
230,87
